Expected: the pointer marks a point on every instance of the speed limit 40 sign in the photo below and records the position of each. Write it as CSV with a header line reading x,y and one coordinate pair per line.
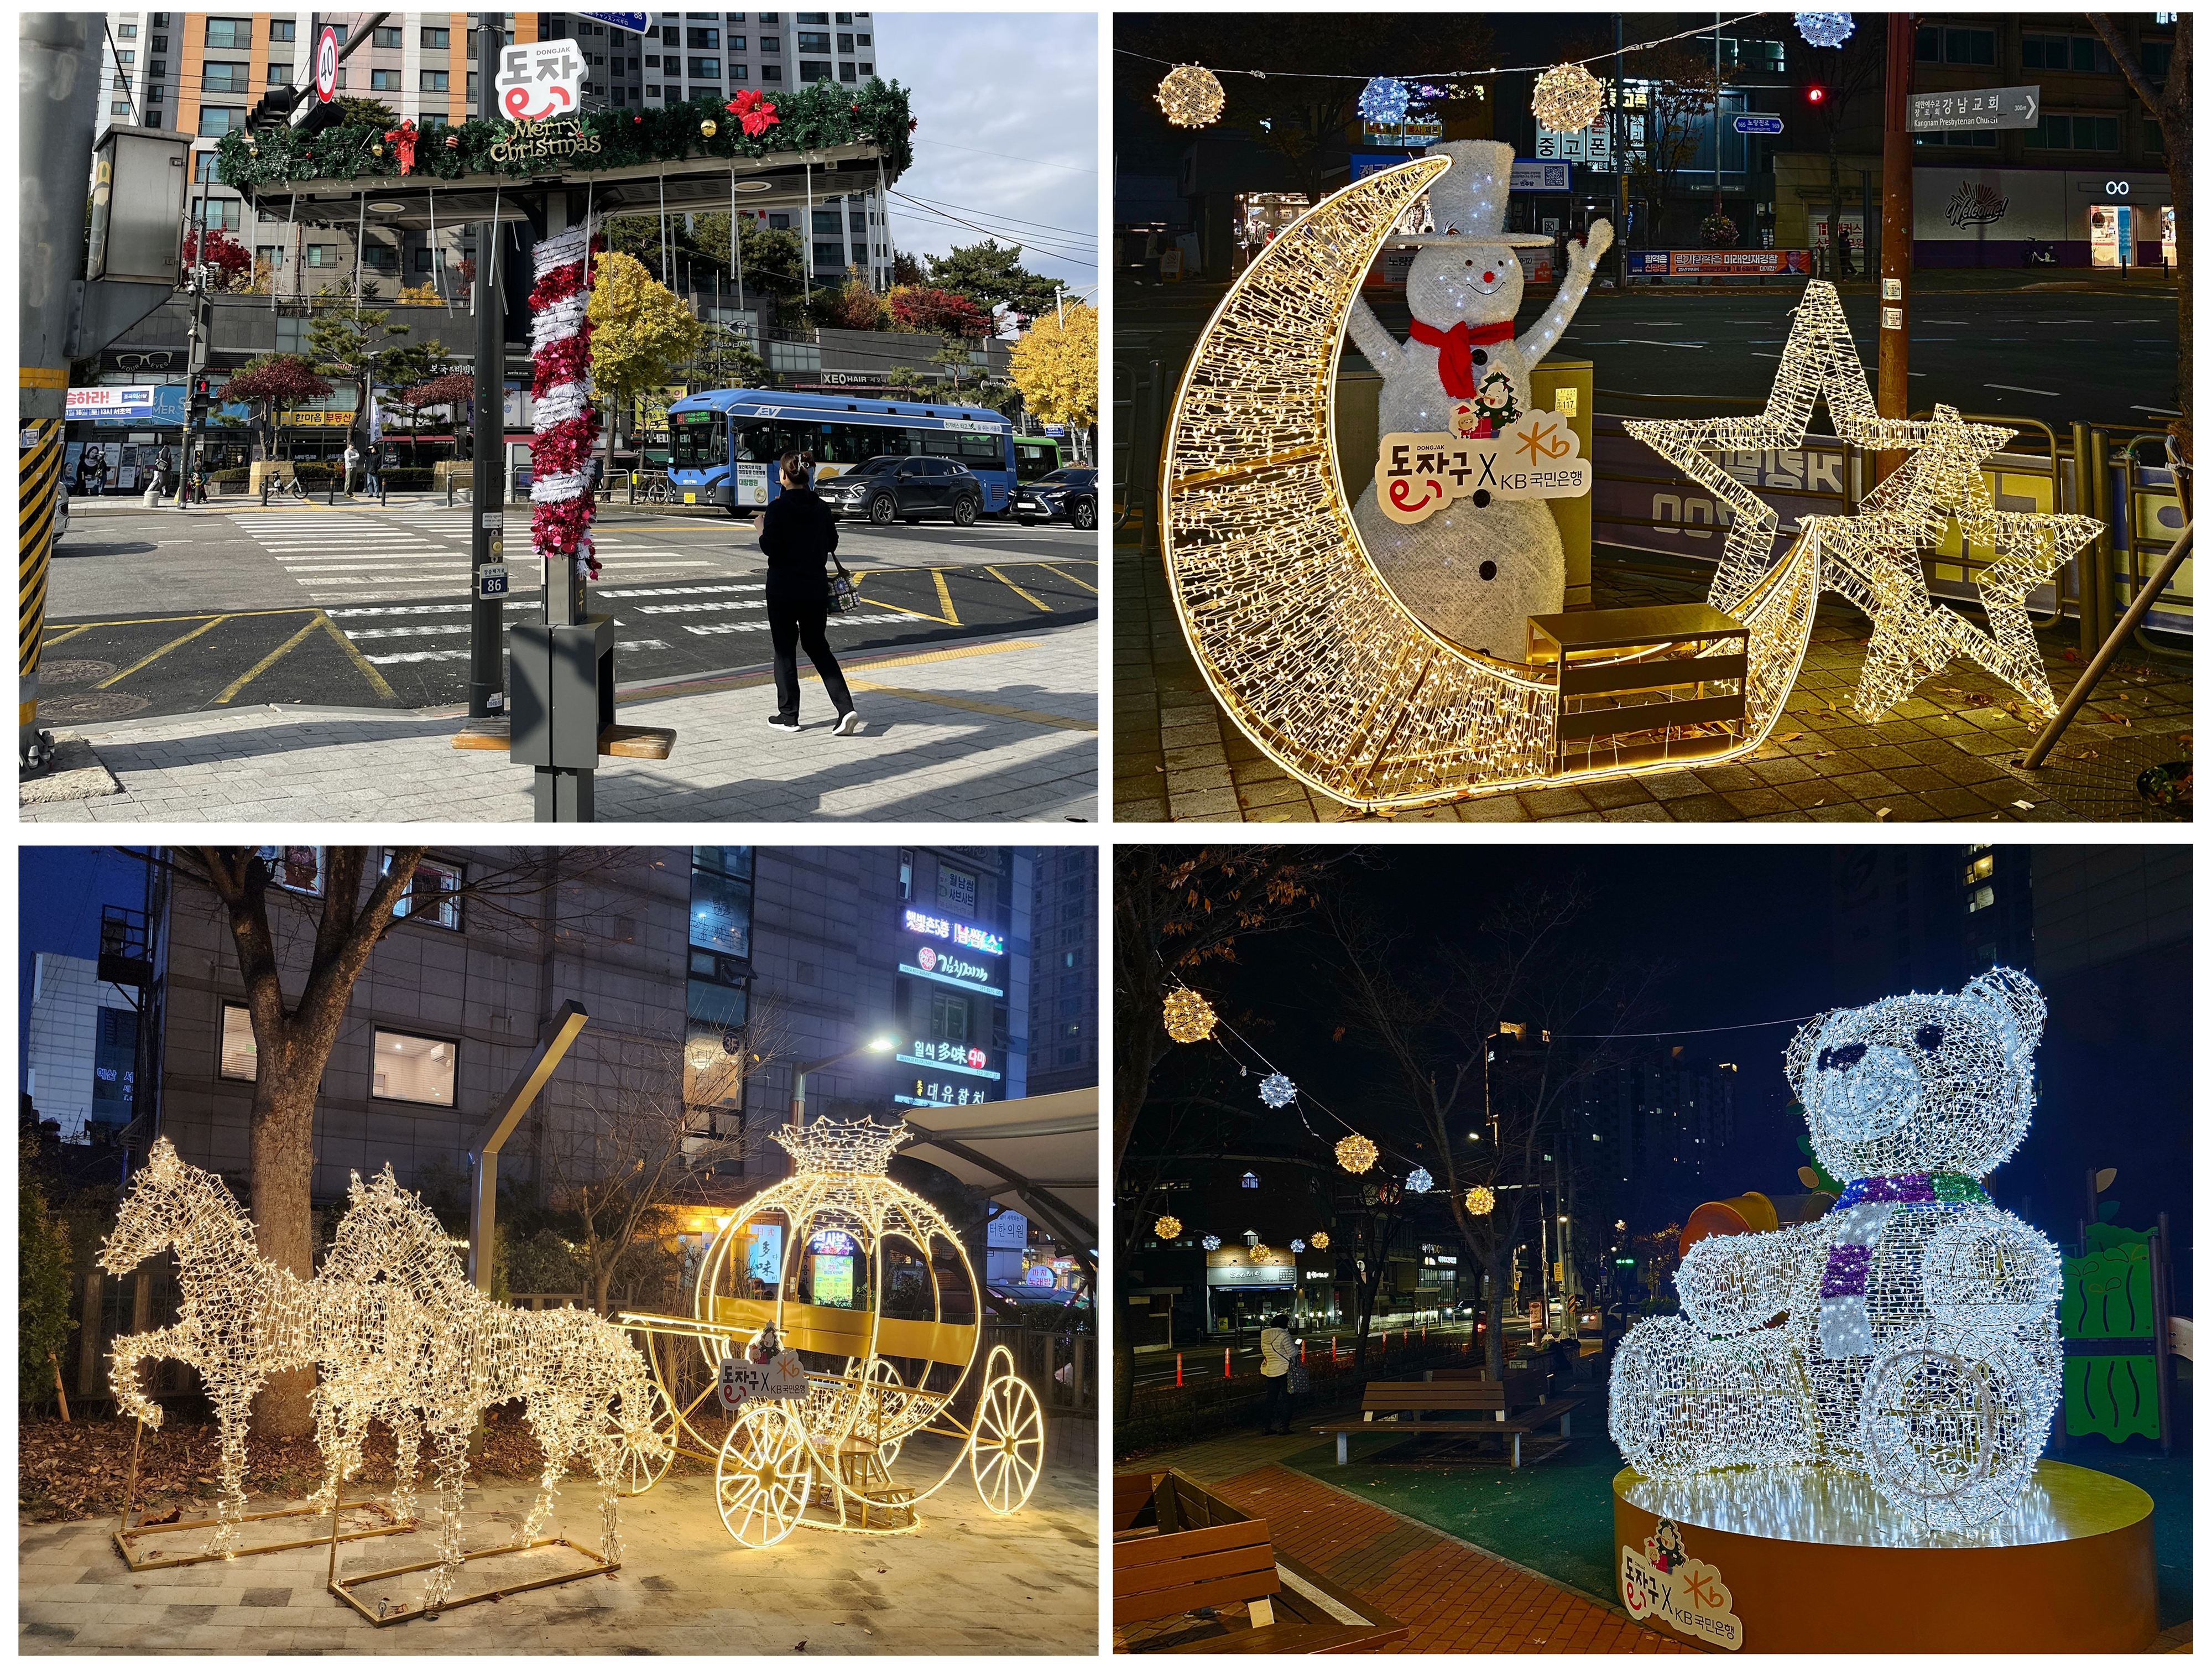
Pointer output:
x,y
326,65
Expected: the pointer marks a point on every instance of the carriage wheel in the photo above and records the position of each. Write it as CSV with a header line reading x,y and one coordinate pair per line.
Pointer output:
x,y
1006,1453
880,1373
762,1478
647,1448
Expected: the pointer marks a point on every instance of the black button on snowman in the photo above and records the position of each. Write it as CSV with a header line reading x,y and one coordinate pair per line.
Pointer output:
x,y
1475,571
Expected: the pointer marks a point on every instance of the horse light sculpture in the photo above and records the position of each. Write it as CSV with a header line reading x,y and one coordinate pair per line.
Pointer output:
x,y
1910,1335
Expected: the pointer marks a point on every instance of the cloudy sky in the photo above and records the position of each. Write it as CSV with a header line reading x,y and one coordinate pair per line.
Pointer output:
x,y
1008,104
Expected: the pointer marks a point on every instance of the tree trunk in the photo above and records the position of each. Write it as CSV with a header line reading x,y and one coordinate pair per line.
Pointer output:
x,y
281,1152
1835,211
1494,1351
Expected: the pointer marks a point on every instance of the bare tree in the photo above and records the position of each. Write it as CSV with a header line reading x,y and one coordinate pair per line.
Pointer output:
x,y
2169,102
350,910
1479,1048
645,1141
1853,68
1681,93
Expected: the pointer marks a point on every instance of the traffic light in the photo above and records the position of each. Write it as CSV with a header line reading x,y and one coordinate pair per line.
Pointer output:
x,y
318,117
202,395
274,109
1816,95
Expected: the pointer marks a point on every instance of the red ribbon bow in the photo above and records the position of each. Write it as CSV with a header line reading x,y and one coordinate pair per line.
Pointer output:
x,y
1454,357
403,139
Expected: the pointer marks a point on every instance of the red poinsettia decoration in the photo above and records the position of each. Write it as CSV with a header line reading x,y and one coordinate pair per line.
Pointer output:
x,y
403,139
755,114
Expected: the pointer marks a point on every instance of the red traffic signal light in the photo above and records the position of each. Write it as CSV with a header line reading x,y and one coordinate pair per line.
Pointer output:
x,y
1816,94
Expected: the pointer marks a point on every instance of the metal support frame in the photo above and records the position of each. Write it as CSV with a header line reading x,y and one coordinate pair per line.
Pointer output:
x,y
343,1586
125,1533
2115,640
554,1038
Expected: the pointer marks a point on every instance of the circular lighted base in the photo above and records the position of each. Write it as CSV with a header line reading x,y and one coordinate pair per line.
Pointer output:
x,y
1806,1560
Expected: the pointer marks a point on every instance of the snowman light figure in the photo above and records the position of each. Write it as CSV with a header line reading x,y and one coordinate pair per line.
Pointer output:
x,y
1476,570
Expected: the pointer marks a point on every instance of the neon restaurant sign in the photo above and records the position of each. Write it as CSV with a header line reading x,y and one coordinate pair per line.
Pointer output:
x,y
959,933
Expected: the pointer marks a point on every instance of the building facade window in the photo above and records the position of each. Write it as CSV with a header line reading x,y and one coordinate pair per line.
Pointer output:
x,y
814,69
386,38
706,68
1938,46
216,120
236,1055
707,40
434,893
718,993
384,81
438,40
412,1069
226,78
283,28
229,34
948,1017
437,80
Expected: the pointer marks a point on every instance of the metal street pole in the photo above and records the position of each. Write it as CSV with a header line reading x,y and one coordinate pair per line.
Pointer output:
x,y
59,109
1891,398
486,510
1619,162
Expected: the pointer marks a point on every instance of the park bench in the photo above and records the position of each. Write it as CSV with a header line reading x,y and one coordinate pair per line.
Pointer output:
x,y
1179,1550
1475,1407
621,741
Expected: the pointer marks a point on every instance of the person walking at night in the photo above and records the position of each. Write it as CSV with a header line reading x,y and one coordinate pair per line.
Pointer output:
x,y
1277,1354
799,536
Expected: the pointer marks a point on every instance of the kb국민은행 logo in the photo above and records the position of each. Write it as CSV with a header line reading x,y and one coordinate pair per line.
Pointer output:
x,y
1660,1581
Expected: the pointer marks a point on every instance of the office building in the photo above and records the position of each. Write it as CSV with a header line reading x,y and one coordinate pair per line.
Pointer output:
x,y
1063,1004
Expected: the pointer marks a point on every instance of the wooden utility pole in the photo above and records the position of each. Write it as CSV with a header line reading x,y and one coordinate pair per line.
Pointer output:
x,y
1891,399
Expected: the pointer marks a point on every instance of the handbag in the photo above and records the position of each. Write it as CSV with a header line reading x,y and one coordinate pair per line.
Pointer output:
x,y
1300,1382
844,595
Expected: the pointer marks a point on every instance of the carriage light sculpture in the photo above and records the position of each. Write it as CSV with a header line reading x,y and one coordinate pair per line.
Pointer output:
x,y
856,1274
1918,1344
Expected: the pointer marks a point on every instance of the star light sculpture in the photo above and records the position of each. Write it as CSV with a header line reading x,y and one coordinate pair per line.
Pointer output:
x,y
1873,559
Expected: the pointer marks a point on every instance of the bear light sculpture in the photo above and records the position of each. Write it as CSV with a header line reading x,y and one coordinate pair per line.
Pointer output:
x,y
1910,1336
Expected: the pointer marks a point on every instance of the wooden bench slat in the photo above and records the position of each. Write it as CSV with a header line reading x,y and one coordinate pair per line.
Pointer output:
x,y
1208,1571
1239,1590
1186,1545
620,741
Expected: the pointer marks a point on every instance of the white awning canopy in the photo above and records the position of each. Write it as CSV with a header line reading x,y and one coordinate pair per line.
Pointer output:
x,y
1038,1156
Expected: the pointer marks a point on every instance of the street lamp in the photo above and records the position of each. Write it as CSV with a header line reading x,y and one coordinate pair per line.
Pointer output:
x,y
873,1046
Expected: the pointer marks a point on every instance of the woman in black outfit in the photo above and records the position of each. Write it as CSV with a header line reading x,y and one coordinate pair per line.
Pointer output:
x,y
798,534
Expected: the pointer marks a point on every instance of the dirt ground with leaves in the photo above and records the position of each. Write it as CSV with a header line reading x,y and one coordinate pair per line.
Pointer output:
x,y
81,1469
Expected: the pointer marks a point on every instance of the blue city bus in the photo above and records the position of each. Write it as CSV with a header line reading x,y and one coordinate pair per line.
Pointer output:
x,y
724,444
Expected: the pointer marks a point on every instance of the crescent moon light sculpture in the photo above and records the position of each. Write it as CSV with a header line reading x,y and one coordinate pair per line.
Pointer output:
x,y
1306,647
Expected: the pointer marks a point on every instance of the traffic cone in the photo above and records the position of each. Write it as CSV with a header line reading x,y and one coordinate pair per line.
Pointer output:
x,y
1178,1368
1226,1372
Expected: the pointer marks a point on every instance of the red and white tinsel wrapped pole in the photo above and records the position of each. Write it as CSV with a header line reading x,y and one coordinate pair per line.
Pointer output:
x,y
567,425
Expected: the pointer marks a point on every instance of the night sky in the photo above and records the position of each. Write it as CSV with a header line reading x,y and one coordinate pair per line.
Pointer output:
x,y
1732,935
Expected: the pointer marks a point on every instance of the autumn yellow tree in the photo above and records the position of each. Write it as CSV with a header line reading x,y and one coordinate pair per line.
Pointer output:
x,y
640,332
1055,366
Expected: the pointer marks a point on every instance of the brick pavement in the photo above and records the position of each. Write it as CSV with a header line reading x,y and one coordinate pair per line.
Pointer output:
x,y
967,1582
1944,754
1457,1598
995,727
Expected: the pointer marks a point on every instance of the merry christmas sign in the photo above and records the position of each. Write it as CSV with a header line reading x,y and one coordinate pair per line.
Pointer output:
x,y
1536,455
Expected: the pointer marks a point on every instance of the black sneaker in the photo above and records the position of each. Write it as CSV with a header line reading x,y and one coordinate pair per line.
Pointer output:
x,y
777,721
849,724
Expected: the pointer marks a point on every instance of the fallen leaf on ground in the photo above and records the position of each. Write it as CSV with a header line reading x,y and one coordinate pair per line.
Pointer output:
x,y
2025,806
1881,812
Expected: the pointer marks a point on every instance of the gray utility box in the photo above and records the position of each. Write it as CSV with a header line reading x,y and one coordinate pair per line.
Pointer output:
x,y
561,684
138,178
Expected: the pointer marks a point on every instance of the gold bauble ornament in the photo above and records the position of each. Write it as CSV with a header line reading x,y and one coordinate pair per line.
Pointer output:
x,y
1480,1202
707,128
1189,1017
1567,98
1191,96
1319,1242
1355,1154
376,150
1167,1228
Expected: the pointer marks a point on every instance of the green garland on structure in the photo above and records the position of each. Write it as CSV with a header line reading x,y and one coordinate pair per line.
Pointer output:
x,y
818,116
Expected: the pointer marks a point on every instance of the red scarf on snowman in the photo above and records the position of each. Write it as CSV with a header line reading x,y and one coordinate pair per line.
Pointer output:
x,y
1455,358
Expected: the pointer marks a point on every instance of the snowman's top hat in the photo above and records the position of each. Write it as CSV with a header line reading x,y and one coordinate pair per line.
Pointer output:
x,y
1466,203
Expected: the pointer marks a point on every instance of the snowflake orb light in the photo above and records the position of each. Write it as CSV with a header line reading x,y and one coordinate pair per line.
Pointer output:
x,y
1417,1181
1355,1154
1211,1243
1190,94
1919,1344
1189,1016
1320,1240
1278,1091
1167,1228
1481,1202
1384,101
1825,28
1298,1245
1567,98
